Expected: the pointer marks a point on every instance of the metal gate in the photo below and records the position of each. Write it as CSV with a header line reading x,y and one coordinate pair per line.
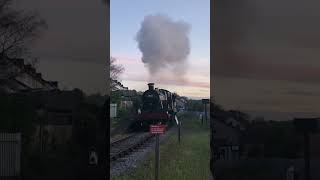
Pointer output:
x,y
10,151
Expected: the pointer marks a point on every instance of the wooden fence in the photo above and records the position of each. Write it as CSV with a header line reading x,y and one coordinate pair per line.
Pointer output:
x,y
10,151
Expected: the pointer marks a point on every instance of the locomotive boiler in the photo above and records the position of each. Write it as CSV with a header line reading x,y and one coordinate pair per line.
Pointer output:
x,y
158,106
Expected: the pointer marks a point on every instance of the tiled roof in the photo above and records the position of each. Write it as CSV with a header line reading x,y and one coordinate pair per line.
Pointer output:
x,y
29,70
118,85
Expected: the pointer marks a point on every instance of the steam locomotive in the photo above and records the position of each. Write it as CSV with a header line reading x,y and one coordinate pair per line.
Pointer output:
x,y
158,106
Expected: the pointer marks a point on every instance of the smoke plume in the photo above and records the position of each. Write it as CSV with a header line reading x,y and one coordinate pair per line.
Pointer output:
x,y
164,44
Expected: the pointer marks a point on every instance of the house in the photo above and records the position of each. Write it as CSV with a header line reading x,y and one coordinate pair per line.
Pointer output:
x,y
226,136
57,115
226,140
17,76
181,103
116,85
126,104
127,96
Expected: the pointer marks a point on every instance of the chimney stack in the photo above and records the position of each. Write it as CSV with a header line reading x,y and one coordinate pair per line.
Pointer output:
x,y
151,86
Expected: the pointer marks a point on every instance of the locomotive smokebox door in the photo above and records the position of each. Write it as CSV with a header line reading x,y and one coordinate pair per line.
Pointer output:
x,y
306,124
151,86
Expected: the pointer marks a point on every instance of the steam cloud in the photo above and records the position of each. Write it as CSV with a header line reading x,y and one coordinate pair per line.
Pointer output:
x,y
164,44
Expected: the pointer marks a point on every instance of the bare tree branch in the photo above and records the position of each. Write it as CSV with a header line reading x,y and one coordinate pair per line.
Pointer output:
x,y
115,71
17,30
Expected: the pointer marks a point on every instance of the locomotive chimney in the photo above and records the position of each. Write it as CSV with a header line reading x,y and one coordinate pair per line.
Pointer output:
x,y
151,86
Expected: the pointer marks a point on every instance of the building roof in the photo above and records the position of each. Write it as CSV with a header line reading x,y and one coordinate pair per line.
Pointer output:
x,y
53,100
116,85
227,119
12,79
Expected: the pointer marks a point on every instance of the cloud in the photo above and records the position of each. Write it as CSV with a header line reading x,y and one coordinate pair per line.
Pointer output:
x,y
302,93
197,76
126,60
169,81
73,51
251,68
164,44
256,39
77,30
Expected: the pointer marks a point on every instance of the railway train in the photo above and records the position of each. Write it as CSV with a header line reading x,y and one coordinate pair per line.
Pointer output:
x,y
158,106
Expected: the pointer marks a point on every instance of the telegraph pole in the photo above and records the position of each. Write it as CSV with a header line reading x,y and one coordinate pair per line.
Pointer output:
x,y
307,155
306,126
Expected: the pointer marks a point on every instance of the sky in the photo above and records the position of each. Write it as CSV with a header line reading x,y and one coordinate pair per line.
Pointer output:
x,y
125,21
73,50
265,53
266,57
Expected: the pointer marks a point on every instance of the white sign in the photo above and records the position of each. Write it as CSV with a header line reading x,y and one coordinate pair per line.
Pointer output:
x,y
175,117
290,173
93,158
113,110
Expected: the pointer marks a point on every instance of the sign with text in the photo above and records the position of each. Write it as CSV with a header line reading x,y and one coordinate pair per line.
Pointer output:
x,y
205,101
157,129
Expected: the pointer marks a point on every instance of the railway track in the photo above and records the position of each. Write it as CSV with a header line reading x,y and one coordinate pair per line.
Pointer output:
x,y
124,146
119,140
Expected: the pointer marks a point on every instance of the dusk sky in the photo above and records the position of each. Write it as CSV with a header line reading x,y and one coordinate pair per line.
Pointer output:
x,y
266,57
73,50
125,22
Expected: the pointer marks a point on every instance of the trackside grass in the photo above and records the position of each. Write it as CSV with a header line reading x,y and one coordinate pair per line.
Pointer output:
x,y
188,160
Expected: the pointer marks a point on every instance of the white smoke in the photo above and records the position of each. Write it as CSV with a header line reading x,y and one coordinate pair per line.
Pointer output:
x,y
164,44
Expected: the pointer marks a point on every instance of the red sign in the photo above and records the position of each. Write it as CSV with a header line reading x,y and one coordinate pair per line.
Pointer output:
x,y
157,129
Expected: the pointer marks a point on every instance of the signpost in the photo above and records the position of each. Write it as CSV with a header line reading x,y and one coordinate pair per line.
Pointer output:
x,y
290,173
306,126
179,132
157,130
205,102
179,128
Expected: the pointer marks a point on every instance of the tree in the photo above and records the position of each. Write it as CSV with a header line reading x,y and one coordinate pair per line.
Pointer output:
x,y
115,71
194,105
17,30
216,107
259,119
240,116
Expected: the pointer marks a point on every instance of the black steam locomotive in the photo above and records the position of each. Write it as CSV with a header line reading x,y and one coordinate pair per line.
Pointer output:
x,y
158,106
